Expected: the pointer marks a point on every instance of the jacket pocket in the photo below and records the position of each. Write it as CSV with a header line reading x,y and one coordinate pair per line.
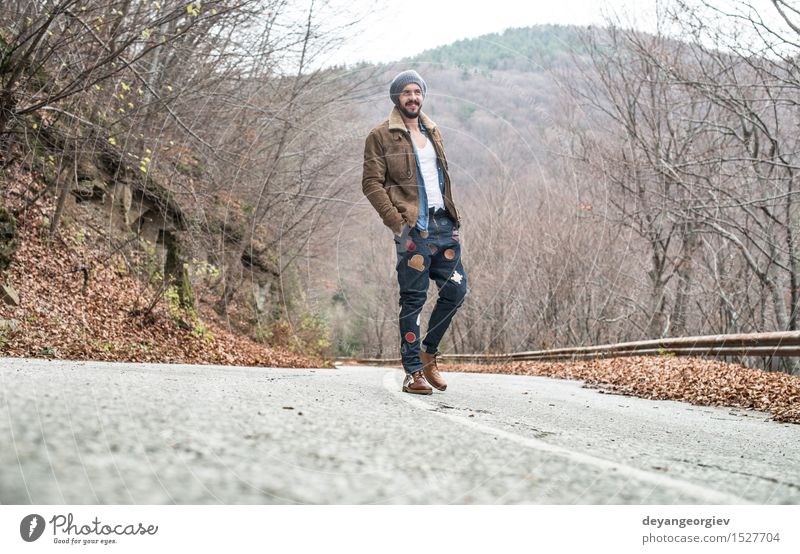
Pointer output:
x,y
397,161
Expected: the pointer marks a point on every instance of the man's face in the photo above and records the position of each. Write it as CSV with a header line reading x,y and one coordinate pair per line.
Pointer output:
x,y
411,100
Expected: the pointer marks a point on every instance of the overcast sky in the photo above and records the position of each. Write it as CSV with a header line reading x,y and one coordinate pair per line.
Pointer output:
x,y
398,28
393,29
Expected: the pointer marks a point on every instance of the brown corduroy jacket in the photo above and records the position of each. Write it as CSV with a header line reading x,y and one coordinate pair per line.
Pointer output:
x,y
390,180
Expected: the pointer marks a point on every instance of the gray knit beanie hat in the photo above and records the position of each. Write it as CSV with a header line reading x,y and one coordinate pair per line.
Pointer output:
x,y
401,80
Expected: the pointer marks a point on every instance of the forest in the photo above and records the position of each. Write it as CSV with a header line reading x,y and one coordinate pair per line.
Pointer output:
x,y
615,184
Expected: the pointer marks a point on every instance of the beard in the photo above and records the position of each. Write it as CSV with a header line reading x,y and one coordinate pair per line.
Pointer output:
x,y
408,114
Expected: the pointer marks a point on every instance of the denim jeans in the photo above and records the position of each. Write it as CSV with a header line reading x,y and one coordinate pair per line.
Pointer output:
x,y
422,256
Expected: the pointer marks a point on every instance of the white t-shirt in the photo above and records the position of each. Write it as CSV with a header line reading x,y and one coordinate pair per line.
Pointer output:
x,y
430,175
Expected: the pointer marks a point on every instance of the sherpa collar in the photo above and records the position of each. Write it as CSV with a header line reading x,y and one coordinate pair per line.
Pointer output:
x,y
396,121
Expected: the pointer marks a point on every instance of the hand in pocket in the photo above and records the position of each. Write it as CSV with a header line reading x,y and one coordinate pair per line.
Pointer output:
x,y
404,230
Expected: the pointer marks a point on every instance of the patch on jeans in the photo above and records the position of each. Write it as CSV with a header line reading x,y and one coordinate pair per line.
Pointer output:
x,y
456,277
433,248
410,336
449,254
411,246
417,262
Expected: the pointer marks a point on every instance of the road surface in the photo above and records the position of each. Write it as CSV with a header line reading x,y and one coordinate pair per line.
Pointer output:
x,y
110,433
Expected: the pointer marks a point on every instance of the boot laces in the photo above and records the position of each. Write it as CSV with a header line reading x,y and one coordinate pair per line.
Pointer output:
x,y
434,365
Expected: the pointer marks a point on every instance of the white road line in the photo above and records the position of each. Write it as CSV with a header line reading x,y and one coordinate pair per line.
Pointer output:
x,y
709,496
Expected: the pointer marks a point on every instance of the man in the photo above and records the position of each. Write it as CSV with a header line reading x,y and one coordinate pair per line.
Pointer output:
x,y
407,182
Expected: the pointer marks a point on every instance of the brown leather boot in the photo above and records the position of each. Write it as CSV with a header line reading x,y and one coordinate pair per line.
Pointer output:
x,y
415,384
431,370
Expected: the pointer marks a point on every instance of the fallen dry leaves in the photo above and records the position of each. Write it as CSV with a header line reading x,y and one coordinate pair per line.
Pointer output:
x,y
695,380
60,317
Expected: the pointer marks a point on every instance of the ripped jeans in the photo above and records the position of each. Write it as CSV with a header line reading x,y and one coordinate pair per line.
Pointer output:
x,y
422,256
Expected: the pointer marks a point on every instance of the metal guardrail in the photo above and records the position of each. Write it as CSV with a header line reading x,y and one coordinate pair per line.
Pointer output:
x,y
759,345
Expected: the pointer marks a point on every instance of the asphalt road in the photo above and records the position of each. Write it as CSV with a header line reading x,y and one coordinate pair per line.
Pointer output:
x,y
103,433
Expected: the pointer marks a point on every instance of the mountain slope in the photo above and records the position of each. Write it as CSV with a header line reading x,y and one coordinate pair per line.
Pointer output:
x,y
524,49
